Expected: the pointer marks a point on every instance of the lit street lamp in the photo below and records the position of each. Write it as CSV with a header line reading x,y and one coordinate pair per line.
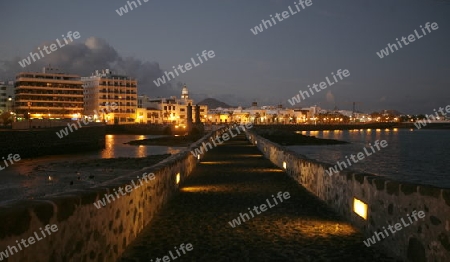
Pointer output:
x,y
9,102
11,108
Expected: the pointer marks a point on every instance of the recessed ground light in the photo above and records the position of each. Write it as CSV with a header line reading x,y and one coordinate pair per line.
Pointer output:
x,y
178,178
360,208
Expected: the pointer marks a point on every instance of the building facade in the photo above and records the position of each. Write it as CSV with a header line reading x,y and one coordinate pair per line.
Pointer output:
x,y
102,89
171,110
261,115
7,96
48,95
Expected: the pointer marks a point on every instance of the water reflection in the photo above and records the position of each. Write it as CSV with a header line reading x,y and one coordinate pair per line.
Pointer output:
x,y
115,147
419,156
35,177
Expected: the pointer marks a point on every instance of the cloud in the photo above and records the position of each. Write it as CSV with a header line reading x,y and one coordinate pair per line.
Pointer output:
x,y
330,97
95,54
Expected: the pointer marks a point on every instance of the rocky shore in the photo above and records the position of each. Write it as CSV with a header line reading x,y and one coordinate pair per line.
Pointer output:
x,y
33,179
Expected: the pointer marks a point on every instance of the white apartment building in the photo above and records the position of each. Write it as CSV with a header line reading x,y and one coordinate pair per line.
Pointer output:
x,y
7,96
259,115
101,89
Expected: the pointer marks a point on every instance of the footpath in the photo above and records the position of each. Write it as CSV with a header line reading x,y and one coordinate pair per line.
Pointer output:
x,y
226,185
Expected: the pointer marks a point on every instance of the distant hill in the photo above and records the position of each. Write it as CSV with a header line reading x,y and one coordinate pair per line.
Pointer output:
x,y
393,112
213,103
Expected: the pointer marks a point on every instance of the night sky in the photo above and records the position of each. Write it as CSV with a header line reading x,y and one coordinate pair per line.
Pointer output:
x,y
269,67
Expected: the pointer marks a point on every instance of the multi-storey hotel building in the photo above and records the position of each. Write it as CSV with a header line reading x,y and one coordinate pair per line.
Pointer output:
x,y
102,89
48,95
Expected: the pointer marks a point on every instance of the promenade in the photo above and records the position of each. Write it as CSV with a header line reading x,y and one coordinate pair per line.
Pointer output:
x,y
229,180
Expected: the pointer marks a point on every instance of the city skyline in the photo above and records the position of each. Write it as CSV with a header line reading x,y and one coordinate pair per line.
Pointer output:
x,y
270,67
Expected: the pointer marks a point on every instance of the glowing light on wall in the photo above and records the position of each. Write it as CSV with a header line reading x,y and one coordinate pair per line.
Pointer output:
x,y
178,178
284,165
360,208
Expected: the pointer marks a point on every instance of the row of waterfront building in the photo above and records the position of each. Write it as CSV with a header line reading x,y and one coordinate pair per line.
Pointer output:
x,y
53,95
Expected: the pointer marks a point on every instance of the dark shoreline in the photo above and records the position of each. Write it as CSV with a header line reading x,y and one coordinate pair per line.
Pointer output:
x,y
180,141
44,141
291,138
320,127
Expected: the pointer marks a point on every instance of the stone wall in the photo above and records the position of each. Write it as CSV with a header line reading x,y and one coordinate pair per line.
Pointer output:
x,y
388,201
38,123
86,233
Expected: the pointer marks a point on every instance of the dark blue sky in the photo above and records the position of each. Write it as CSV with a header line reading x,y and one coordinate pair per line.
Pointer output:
x,y
269,67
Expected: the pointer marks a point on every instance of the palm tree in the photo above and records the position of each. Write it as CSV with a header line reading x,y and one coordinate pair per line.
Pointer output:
x,y
257,118
7,118
274,117
246,115
287,117
217,117
154,115
230,116
166,115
